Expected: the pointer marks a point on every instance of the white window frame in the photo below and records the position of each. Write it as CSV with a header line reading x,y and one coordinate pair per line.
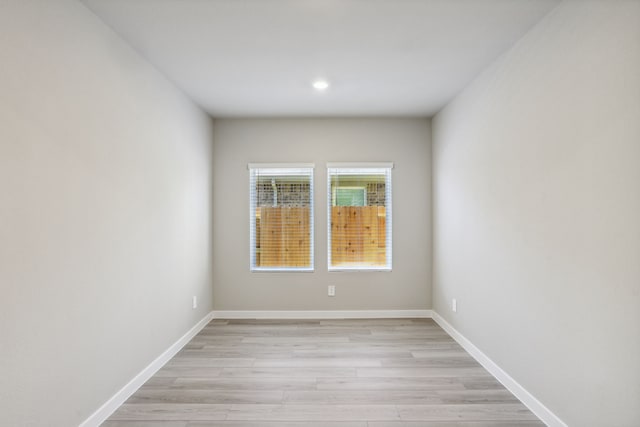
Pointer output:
x,y
278,169
385,168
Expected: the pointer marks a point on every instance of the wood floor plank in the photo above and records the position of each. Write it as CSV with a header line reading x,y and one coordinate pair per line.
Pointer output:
x,y
210,362
238,352
208,396
368,323
170,412
186,371
159,382
313,412
217,339
481,383
289,331
272,322
322,373
362,397
277,424
456,424
430,362
288,340
390,340
399,384
501,395
476,412
226,384
315,362
144,424
358,352
404,397
439,353
288,372
421,372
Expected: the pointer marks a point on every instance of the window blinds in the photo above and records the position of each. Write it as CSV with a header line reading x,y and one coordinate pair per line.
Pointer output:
x,y
359,217
281,217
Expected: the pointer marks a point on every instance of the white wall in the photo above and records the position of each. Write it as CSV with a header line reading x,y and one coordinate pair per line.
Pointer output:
x,y
406,142
105,183
537,212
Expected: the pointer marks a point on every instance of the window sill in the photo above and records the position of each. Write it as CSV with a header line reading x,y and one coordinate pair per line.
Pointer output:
x,y
360,269
281,270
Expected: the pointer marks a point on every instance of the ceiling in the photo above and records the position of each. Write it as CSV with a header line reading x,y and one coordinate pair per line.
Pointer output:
x,y
253,58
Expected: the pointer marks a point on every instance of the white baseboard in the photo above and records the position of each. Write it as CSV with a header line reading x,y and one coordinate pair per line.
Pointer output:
x,y
320,314
105,411
541,411
534,405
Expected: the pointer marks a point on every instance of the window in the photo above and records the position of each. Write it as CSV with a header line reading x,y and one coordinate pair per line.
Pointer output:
x,y
281,217
359,216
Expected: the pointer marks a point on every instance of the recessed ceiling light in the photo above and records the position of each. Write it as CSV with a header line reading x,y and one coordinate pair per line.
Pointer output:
x,y
320,85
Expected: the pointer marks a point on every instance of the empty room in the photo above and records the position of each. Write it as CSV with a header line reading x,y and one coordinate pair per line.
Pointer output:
x,y
320,213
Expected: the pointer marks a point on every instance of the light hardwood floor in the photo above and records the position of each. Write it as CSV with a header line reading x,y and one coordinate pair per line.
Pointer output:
x,y
323,373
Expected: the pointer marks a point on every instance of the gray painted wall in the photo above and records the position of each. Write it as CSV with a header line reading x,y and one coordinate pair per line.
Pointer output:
x,y
537,212
105,183
406,142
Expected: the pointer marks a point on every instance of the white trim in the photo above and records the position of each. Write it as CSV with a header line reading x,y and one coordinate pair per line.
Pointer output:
x,y
320,314
358,165
282,269
110,406
280,165
541,411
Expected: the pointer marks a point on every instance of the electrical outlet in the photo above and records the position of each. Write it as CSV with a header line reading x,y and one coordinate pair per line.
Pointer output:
x,y
195,301
332,291
454,305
